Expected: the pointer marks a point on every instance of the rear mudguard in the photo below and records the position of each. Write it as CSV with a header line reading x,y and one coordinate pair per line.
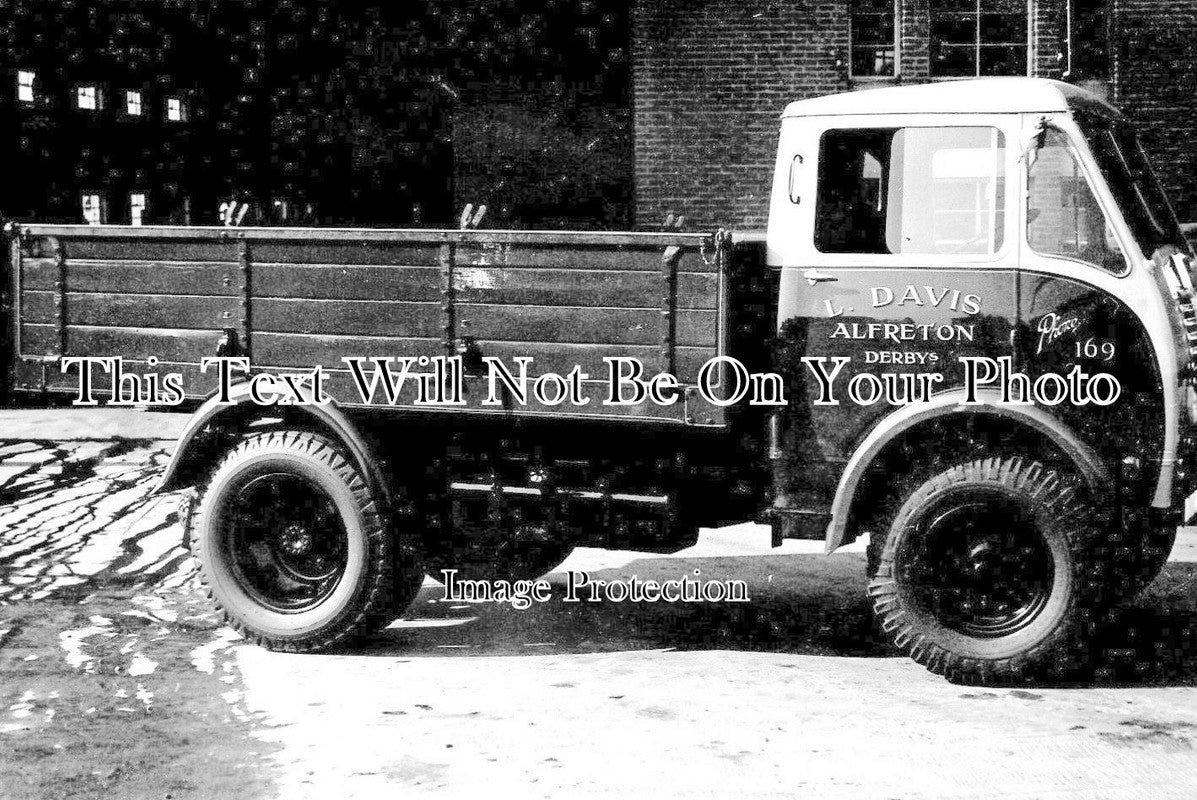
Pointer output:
x,y
327,418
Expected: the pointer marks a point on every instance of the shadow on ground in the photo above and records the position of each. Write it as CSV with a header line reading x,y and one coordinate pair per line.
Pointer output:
x,y
799,604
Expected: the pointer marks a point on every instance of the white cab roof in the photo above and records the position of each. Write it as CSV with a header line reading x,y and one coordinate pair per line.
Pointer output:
x,y
979,96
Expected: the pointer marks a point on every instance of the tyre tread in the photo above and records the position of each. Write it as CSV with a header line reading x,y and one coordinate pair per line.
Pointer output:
x,y
371,604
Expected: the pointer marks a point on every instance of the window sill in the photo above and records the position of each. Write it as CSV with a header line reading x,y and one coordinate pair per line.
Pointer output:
x,y
873,82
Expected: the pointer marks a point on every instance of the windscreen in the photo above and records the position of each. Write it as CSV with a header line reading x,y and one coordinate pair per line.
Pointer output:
x,y
1133,182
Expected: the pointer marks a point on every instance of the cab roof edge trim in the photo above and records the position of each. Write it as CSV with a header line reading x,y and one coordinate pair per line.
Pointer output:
x,y
973,96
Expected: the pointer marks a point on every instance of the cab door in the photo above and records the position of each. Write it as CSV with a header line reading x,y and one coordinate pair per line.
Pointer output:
x,y
1086,302
896,241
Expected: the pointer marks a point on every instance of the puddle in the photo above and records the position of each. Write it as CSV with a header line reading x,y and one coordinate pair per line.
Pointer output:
x,y
203,658
156,607
140,665
81,513
23,707
145,696
72,643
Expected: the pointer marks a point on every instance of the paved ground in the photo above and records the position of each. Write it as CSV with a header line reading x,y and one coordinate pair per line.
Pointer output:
x,y
119,682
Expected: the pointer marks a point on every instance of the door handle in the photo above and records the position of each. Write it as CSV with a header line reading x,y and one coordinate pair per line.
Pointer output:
x,y
813,276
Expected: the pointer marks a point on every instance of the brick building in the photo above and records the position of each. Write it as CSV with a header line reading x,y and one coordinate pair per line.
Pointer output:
x,y
555,113
710,78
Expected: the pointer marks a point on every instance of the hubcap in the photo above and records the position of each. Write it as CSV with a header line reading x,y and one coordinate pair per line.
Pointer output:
x,y
285,542
980,567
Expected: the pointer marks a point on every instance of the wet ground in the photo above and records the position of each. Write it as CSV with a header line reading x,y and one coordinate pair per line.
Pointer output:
x,y
119,681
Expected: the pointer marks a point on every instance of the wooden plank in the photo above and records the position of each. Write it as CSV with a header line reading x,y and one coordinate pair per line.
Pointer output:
x,y
697,328
131,343
143,277
571,324
304,351
307,350
133,310
28,377
570,256
102,249
562,358
346,317
337,282
381,253
577,287
168,233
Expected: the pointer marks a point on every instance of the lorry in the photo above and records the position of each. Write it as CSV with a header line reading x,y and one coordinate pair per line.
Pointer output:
x,y
967,334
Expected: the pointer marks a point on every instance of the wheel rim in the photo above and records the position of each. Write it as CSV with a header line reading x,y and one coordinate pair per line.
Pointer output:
x,y
285,542
980,566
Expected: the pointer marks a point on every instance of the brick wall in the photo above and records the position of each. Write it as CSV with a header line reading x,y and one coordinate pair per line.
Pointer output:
x,y
1155,66
710,79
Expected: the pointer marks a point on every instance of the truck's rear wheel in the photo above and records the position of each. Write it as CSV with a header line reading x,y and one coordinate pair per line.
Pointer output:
x,y
983,572
293,547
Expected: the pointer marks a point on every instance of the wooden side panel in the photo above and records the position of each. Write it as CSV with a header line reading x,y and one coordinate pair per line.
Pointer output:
x,y
402,254
578,287
305,350
139,249
315,297
346,317
570,324
133,310
136,344
135,277
345,282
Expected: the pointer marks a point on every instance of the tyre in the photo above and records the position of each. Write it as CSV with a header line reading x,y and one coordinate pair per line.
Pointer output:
x,y
294,549
983,574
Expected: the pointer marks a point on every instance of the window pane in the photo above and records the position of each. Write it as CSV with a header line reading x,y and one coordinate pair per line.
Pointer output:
x,y
1063,216
86,98
969,6
850,207
1004,6
1003,28
874,42
872,61
873,29
136,208
954,60
954,29
1004,60
912,190
93,209
25,80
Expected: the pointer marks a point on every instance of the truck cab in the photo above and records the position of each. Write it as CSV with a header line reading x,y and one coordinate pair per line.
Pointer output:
x,y
986,300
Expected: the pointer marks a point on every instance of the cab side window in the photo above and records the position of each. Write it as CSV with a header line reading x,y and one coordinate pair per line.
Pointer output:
x,y
1063,215
911,190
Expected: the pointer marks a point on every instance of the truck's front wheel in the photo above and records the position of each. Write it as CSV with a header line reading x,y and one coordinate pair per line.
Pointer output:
x,y
983,575
292,545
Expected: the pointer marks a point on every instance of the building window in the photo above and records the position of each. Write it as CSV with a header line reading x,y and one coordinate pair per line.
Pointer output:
x,y
94,211
137,205
25,80
874,38
176,109
972,38
911,190
133,103
87,98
